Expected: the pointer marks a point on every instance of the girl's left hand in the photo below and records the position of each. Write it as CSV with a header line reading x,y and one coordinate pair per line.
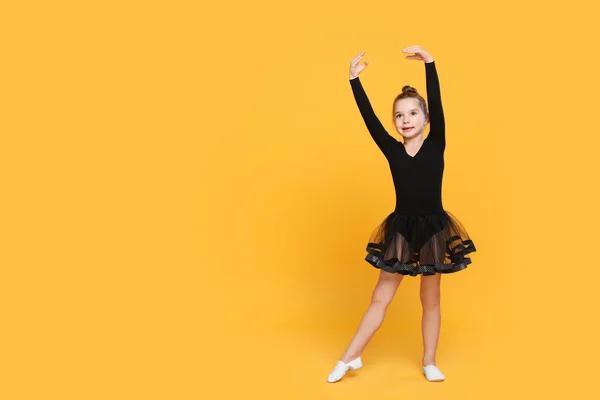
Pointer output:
x,y
419,54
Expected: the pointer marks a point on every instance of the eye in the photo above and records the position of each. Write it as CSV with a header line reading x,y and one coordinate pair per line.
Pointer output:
x,y
414,113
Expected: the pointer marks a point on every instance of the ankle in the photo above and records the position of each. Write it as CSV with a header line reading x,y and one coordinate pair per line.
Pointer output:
x,y
346,358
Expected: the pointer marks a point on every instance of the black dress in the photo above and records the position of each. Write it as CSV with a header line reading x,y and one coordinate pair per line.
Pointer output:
x,y
419,236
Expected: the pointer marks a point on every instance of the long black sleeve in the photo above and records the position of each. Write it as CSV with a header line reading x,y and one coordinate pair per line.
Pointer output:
x,y
384,141
437,127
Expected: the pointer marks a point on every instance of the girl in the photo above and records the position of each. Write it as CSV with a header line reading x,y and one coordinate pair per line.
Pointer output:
x,y
419,237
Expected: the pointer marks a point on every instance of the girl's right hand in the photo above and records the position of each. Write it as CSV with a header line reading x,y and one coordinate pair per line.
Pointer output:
x,y
356,67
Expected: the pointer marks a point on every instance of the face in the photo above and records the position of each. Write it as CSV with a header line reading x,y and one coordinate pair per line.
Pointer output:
x,y
409,118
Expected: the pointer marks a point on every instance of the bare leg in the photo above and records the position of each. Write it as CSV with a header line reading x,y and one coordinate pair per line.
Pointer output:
x,y
431,319
382,296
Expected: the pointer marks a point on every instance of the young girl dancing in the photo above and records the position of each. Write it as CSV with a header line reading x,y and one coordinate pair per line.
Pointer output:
x,y
419,238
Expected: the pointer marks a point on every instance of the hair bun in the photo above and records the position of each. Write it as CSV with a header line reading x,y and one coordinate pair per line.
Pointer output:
x,y
409,90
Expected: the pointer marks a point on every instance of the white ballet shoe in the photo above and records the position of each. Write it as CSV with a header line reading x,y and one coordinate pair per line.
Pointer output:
x,y
433,374
341,367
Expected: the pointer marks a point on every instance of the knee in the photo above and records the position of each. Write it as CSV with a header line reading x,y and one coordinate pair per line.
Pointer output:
x,y
381,298
386,289
430,300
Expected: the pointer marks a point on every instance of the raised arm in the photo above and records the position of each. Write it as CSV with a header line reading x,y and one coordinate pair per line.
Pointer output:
x,y
382,138
437,127
384,141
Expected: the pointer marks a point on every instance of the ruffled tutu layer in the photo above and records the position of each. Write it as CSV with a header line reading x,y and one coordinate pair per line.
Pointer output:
x,y
420,244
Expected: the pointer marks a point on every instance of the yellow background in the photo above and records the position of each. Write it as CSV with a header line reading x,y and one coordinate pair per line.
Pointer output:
x,y
188,190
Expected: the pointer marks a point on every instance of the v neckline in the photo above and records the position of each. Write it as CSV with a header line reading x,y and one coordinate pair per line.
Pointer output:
x,y
418,151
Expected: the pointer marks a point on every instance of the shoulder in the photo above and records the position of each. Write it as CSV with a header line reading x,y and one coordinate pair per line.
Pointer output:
x,y
434,141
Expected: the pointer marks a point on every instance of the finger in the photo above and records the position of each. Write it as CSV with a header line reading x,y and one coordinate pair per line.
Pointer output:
x,y
412,49
359,55
357,58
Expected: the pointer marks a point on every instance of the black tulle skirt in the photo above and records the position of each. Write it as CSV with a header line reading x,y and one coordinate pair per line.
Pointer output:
x,y
420,244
